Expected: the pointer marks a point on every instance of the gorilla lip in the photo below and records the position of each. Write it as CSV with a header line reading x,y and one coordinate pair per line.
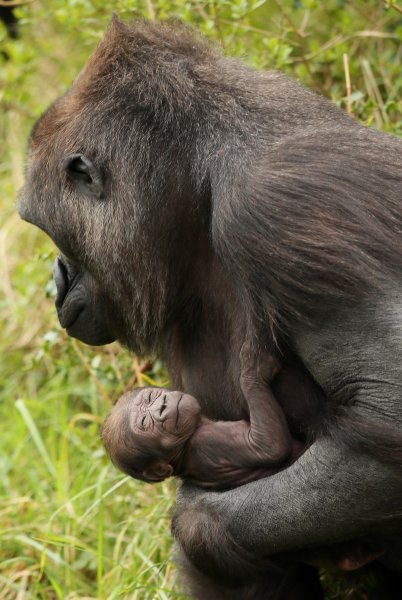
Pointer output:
x,y
60,275
68,312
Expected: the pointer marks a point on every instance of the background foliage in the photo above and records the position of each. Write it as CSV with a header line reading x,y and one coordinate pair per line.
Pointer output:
x,y
71,526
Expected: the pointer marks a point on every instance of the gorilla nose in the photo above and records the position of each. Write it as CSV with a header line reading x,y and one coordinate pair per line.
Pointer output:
x,y
60,275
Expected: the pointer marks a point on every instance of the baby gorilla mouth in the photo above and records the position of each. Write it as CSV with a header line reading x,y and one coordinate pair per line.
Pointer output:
x,y
178,412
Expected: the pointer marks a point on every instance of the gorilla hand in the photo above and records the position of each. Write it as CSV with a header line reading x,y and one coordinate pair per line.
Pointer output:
x,y
200,527
226,534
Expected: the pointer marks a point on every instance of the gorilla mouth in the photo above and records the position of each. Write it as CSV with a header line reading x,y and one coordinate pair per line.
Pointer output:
x,y
74,307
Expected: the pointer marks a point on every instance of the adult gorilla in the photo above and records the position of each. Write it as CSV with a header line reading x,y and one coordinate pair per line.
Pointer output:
x,y
186,191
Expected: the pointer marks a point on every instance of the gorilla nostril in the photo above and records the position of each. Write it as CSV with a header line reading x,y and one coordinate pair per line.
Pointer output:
x,y
60,275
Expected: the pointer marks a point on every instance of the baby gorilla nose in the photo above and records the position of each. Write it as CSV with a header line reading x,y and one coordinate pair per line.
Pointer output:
x,y
163,406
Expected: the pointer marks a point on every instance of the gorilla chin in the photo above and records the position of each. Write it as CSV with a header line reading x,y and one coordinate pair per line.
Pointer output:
x,y
77,314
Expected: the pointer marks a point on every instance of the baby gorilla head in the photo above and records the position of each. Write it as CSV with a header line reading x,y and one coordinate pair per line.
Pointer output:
x,y
147,429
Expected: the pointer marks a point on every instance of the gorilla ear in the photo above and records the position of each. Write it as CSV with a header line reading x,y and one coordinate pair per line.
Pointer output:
x,y
85,175
158,472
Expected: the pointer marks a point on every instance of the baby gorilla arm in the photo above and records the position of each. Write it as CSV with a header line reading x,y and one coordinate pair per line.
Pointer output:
x,y
226,454
269,435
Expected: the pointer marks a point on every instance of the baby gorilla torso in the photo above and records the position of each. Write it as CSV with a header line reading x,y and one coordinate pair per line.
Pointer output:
x,y
222,454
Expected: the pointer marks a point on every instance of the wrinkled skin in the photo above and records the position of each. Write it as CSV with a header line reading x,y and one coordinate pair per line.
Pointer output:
x,y
187,191
147,430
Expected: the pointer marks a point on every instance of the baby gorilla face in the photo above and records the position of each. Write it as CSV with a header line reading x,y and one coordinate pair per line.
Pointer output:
x,y
146,431
162,415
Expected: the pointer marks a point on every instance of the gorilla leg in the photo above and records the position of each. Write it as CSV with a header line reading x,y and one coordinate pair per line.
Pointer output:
x,y
298,582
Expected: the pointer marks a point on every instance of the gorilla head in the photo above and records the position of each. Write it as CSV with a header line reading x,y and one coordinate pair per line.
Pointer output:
x,y
110,181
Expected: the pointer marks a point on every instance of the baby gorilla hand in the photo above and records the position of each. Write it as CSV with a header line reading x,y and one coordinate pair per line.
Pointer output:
x,y
257,366
268,366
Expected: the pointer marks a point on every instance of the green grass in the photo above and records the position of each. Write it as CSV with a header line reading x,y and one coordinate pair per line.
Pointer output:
x,y
71,526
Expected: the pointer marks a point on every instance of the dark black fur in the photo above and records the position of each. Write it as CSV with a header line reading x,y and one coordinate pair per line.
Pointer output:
x,y
10,20
187,191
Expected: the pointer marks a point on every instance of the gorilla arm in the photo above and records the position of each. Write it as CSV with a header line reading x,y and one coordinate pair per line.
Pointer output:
x,y
333,493
326,264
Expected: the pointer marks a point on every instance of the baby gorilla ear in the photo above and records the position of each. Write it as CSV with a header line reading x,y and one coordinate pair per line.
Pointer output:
x,y
158,472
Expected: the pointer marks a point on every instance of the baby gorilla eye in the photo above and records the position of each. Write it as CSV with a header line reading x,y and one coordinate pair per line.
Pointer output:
x,y
141,422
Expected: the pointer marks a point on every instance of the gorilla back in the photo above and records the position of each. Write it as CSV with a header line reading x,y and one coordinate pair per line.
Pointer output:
x,y
187,191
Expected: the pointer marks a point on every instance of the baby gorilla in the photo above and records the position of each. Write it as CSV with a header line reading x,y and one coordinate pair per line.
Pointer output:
x,y
152,433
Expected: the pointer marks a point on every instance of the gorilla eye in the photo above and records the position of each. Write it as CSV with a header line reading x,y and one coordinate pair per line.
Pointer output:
x,y
84,174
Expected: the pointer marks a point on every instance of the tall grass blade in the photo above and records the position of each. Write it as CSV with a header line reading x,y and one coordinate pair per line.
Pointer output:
x,y
33,430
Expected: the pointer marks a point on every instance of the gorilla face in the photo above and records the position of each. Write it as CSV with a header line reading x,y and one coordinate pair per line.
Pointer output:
x,y
58,208
79,313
